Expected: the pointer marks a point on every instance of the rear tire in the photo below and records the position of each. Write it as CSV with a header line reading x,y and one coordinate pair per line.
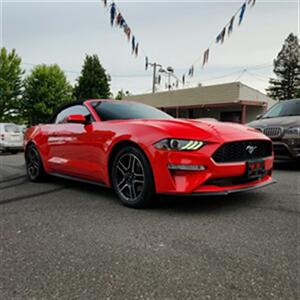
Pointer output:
x,y
34,165
132,178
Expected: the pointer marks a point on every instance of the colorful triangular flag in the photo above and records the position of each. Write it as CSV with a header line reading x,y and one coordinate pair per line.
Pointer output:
x,y
133,44
146,63
230,27
242,13
205,57
112,13
136,50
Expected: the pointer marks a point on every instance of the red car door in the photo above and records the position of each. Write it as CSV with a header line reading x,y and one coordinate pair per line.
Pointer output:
x,y
72,147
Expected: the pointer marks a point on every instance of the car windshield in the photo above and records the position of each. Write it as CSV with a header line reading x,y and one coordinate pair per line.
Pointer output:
x,y
11,128
283,109
118,110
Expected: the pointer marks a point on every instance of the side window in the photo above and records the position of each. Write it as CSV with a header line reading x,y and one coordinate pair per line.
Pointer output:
x,y
73,110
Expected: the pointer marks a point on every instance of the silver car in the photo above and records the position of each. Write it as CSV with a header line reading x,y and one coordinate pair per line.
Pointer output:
x,y
11,138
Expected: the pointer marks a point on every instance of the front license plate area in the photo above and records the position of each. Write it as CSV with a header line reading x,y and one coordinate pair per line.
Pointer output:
x,y
256,169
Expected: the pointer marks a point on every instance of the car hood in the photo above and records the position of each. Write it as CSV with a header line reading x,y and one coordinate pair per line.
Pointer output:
x,y
208,130
281,121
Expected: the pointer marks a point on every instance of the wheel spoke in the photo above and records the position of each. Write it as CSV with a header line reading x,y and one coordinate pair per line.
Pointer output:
x,y
30,158
133,191
133,164
138,181
36,165
138,175
123,187
121,167
130,192
130,162
122,182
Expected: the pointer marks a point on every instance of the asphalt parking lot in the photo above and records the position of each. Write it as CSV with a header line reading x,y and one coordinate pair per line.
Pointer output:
x,y
66,240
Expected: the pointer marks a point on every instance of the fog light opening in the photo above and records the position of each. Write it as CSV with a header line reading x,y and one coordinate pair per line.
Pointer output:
x,y
174,167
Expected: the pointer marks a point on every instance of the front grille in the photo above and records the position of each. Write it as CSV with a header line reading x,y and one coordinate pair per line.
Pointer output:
x,y
273,132
242,151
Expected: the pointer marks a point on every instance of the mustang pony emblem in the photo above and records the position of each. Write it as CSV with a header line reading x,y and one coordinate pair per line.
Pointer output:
x,y
251,149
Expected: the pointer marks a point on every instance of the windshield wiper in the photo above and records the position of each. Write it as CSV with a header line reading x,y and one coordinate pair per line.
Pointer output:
x,y
290,115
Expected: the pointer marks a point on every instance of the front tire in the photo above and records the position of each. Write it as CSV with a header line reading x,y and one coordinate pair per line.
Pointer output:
x,y
34,165
132,178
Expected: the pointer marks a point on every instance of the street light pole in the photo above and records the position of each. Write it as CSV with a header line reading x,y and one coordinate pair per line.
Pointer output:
x,y
154,66
170,73
154,77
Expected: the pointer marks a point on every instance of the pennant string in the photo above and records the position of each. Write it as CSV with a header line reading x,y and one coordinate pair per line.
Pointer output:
x,y
220,38
116,17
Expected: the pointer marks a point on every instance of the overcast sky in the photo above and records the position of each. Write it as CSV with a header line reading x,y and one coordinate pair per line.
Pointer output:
x,y
173,33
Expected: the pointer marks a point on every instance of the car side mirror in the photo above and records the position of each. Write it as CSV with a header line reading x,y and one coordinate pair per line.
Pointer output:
x,y
258,117
78,119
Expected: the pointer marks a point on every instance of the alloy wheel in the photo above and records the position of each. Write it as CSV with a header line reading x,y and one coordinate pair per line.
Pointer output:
x,y
130,176
33,163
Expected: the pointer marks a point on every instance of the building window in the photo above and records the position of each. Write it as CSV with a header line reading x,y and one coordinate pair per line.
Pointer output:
x,y
231,116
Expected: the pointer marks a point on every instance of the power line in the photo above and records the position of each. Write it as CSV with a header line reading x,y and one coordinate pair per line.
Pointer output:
x,y
258,77
240,72
112,75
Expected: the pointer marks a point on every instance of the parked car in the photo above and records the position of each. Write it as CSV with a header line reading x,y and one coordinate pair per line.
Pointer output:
x,y
23,128
11,138
139,151
281,123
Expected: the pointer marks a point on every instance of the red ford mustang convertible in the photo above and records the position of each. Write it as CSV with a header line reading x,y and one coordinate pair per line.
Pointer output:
x,y
139,151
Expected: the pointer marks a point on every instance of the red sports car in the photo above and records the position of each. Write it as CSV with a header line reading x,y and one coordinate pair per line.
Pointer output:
x,y
139,151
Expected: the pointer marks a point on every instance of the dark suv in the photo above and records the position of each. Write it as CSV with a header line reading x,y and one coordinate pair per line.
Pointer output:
x,y
281,123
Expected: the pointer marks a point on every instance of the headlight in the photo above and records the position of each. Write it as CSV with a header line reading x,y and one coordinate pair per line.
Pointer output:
x,y
179,145
293,131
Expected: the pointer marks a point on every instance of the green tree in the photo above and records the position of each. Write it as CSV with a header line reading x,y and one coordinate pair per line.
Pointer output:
x,y
287,70
93,83
10,84
46,88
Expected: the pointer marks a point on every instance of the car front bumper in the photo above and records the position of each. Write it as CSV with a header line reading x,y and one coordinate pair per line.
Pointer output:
x,y
225,191
287,149
206,181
